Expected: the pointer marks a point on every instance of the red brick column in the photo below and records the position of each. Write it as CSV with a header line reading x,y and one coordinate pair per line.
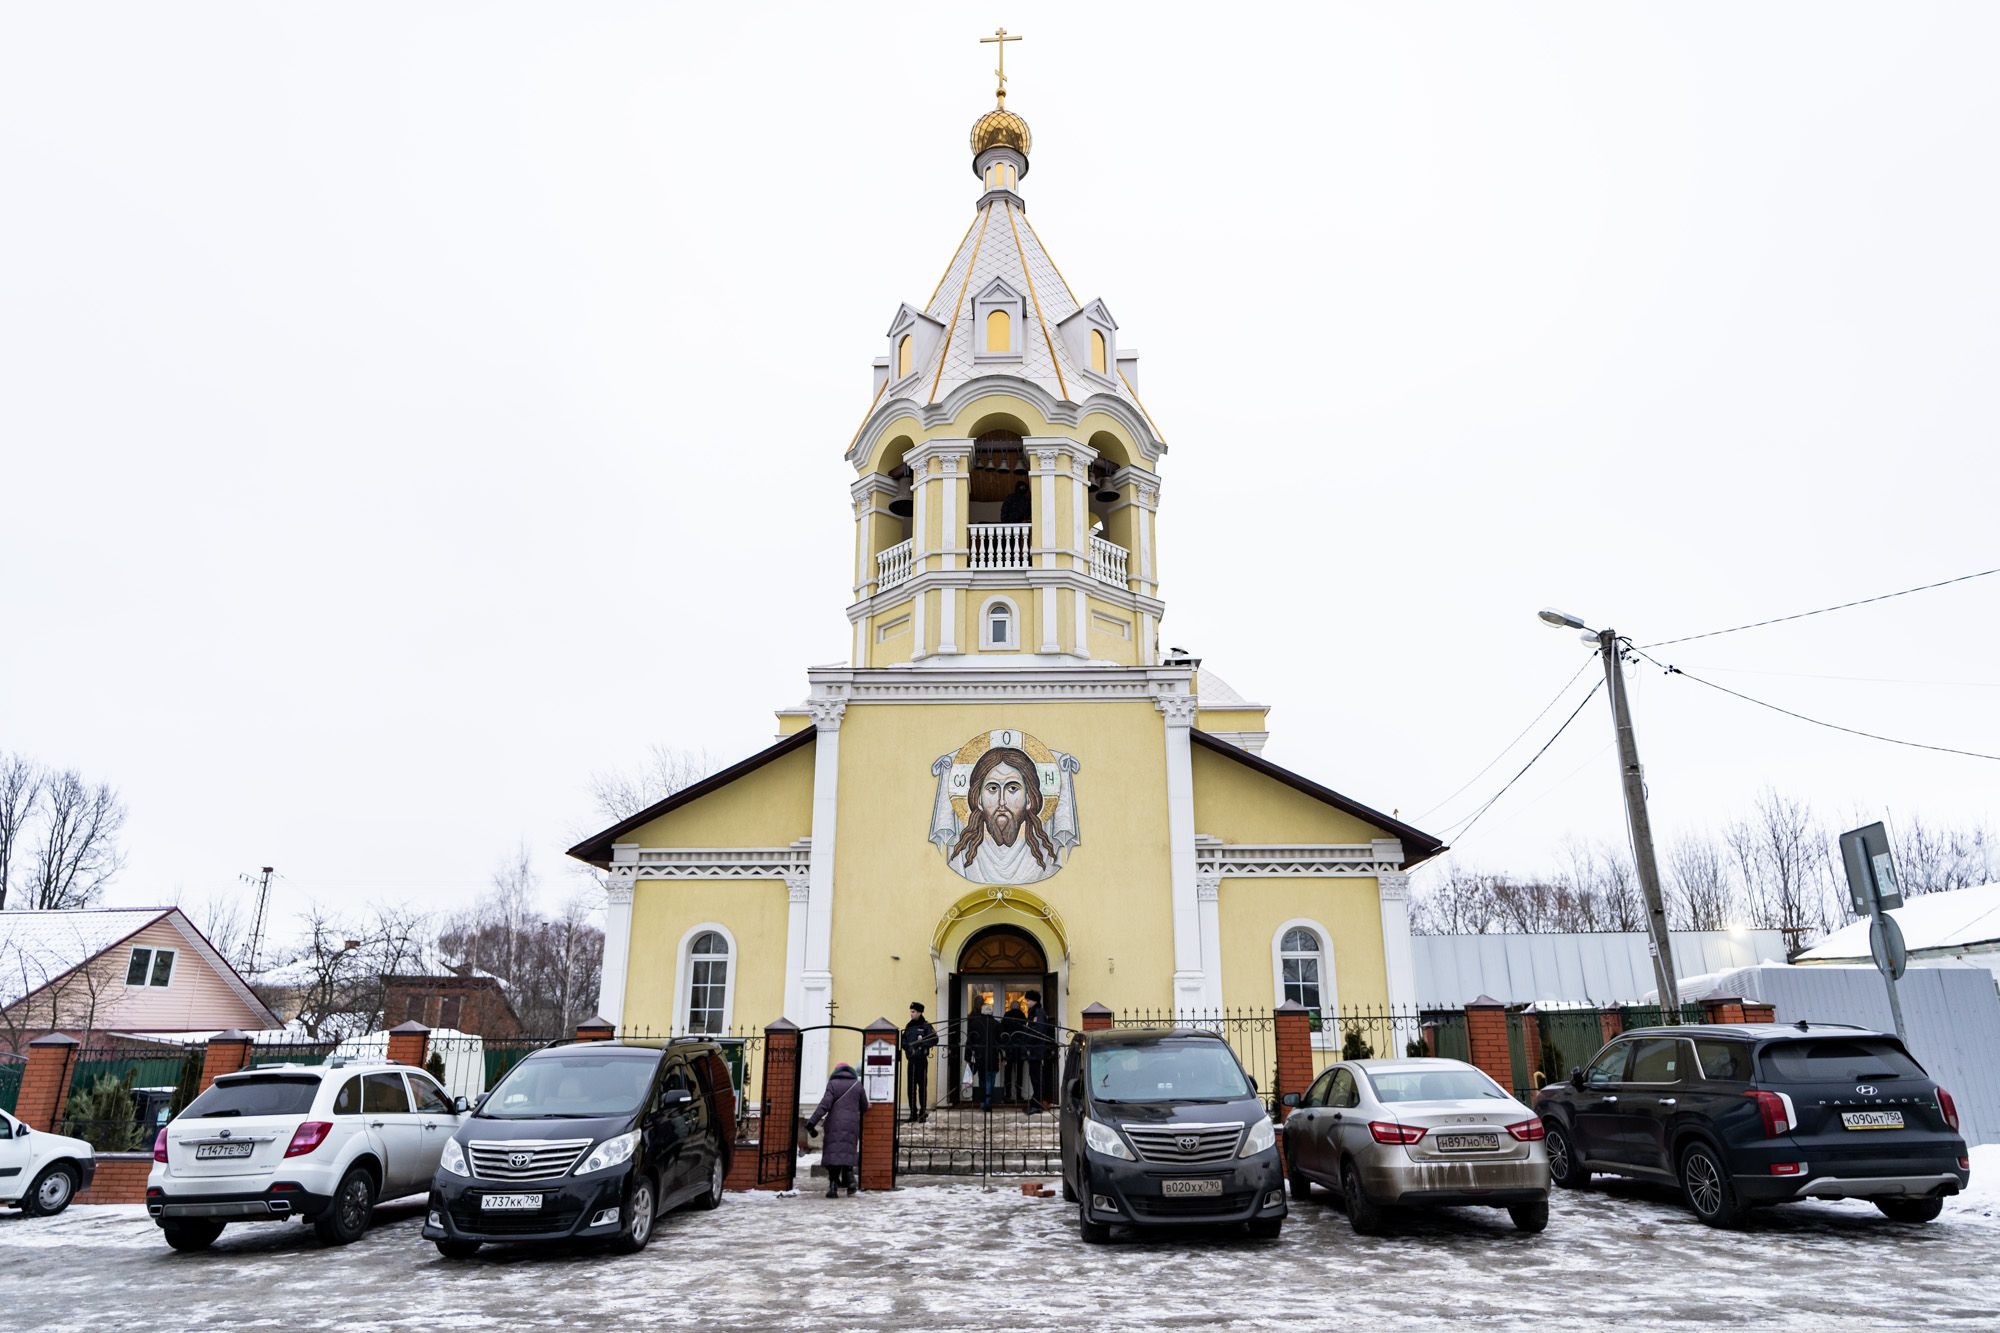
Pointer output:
x,y
878,1121
226,1053
1486,1036
1610,1022
1720,1010
777,1126
1096,1018
1531,1043
45,1082
1292,1027
595,1029
409,1044
1755,1012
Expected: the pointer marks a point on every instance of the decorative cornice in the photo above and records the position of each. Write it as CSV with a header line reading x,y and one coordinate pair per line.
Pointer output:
x,y
677,863
919,684
1056,411
1296,861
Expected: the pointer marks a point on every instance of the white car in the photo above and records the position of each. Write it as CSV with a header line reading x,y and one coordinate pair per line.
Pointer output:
x,y
40,1173
320,1143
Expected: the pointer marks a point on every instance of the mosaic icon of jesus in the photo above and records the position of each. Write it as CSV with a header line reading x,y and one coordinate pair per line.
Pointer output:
x,y
1005,811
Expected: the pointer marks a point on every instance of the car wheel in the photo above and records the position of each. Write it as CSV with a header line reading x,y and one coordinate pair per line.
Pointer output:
x,y
347,1216
1093,1233
458,1249
1267,1228
1910,1210
188,1237
1564,1166
1710,1193
51,1192
1363,1214
712,1197
638,1228
1530,1217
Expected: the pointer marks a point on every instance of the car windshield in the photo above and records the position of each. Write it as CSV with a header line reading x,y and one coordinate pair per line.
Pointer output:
x,y
1434,1085
260,1094
571,1084
1167,1071
1837,1060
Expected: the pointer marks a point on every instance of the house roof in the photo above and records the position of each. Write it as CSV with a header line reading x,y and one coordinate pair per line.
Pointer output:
x,y
1956,919
1418,846
39,948
596,849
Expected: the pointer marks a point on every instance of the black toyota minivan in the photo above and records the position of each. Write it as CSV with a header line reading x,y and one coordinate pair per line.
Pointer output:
x,y
1161,1127
591,1139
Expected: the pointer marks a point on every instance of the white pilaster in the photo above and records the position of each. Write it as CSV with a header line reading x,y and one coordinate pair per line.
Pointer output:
x,y
1399,959
1190,991
798,886
617,947
816,976
1208,899
1047,618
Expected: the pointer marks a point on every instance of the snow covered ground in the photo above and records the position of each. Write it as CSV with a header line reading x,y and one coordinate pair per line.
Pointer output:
x,y
951,1256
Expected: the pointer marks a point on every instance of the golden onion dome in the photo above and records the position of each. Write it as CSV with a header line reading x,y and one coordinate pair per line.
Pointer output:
x,y
1000,128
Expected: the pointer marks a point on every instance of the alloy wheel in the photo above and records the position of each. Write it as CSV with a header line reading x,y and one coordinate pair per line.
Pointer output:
x,y
1704,1185
1557,1144
354,1204
642,1213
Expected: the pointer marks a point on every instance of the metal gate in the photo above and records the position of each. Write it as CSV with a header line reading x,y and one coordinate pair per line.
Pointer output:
x,y
981,1117
778,1127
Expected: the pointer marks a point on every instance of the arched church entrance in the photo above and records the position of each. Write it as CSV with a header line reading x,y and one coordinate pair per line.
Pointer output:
x,y
996,969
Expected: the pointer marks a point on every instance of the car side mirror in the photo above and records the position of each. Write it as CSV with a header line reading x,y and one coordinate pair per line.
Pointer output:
x,y
21,1130
1576,1077
459,1106
1289,1099
675,1097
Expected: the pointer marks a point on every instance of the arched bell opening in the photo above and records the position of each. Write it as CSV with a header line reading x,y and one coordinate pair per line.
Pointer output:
x,y
1000,508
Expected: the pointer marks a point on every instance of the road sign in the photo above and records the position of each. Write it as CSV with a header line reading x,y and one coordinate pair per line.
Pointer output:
x,y
1871,870
1885,942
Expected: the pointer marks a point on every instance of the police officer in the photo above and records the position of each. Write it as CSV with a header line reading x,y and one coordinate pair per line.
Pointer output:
x,y
919,1040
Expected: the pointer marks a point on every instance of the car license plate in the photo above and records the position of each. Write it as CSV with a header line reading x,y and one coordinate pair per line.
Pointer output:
x,y
206,1151
509,1203
1872,1119
1468,1142
1174,1189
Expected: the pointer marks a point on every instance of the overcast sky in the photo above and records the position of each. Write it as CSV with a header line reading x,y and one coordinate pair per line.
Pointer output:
x,y
409,410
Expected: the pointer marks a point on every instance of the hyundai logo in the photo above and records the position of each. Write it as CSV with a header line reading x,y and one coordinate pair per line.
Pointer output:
x,y
519,1158
1187,1142
1865,1089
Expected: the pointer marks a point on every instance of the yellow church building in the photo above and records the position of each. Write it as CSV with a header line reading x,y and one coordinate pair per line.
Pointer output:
x,y
1009,785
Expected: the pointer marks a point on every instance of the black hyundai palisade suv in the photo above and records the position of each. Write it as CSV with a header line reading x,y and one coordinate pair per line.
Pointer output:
x,y
591,1139
1749,1114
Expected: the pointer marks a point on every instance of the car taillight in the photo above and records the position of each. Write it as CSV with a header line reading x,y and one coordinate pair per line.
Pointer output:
x,y
1787,1168
1775,1114
1528,1131
307,1137
1950,1109
1965,1163
1385,1132
160,1145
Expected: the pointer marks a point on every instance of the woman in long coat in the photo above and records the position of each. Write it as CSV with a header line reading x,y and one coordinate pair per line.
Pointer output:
x,y
840,1106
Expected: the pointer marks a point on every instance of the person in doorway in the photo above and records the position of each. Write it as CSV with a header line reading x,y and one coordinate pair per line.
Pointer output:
x,y
840,1106
1040,1041
982,1050
1019,506
919,1040
1013,1053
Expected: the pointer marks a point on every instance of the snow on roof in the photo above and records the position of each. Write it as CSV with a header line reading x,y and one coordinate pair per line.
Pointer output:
x,y
1215,692
38,947
1957,919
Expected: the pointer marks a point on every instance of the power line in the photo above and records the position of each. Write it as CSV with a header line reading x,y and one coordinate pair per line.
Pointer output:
x,y
1864,680
1465,826
1863,601
1505,750
1818,722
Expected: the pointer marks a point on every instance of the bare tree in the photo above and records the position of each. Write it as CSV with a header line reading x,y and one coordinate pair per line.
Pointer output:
x,y
666,770
1457,902
1781,853
56,996
1936,858
76,851
20,794
1702,896
224,920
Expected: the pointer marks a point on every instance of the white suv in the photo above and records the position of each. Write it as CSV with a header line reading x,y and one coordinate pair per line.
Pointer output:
x,y
322,1144
40,1173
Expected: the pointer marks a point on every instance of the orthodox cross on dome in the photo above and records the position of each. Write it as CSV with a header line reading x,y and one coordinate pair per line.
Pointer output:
x,y
999,41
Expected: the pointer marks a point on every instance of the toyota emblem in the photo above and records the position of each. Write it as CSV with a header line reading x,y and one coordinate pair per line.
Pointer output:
x,y
519,1158
1866,1089
1187,1142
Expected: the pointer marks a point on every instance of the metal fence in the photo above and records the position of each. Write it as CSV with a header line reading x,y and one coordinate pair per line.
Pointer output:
x,y
743,1051
1251,1033
11,1069
290,1049
119,1096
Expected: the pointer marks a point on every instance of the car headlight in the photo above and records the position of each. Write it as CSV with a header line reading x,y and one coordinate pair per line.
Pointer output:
x,y
610,1153
1102,1138
452,1159
1263,1137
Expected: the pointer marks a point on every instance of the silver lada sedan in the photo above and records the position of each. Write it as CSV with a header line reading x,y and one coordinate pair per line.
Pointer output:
x,y
1385,1134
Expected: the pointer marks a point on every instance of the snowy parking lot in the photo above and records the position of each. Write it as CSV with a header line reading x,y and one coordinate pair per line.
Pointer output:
x,y
951,1256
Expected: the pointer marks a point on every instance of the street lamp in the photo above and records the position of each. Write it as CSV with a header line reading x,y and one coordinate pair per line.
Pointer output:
x,y
1637,824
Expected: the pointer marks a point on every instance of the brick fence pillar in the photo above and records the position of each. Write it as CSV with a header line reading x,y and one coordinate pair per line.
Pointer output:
x,y
1097,1018
1722,1010
1486,1036
595,1029
1531,1043
1610,1021
777,1126
878,1120
225,1053
409,1044
45,1082
1293,1030
1756,1012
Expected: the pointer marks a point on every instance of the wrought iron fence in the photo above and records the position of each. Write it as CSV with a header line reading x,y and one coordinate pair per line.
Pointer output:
x,y
287,1048
1251,1033
11,1068
742,1050
120,1095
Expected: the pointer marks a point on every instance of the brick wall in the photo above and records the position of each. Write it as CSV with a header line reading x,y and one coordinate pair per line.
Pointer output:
x,y
120,1178
227,1052
1486,1034
466,1004
45,1082
1097,1018
1293,1035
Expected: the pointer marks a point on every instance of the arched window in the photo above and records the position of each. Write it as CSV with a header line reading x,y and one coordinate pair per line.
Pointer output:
x,y
706,992
999,624
1097,351
903,357
1302,964
999,331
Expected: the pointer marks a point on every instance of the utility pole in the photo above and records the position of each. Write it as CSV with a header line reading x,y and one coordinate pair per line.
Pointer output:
x,y
257,923
1641,828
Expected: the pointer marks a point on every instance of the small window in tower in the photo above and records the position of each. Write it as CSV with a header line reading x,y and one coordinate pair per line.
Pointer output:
x,y
903,354
1097,351
999,331
997,625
